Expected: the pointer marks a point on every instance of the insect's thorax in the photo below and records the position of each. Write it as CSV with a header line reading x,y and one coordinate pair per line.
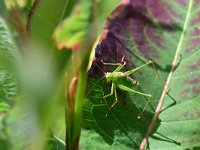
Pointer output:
x,y
120,78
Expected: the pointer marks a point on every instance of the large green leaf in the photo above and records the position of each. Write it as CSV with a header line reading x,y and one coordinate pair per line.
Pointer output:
x,y
166,32
47,15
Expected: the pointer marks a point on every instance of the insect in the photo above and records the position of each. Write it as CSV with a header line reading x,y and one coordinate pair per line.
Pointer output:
x,y
123,81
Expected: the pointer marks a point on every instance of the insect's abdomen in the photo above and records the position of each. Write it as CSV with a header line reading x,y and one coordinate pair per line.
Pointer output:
x,y
126,80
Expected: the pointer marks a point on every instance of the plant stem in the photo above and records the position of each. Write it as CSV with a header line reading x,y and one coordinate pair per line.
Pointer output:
x,y
79,99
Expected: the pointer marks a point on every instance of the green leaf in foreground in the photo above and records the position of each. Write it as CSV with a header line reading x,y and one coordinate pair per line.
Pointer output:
x,y
72,32
8,57
8,85
36,104
167,33
47,15
78,33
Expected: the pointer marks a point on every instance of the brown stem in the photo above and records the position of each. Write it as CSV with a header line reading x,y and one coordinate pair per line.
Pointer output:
x,y
70,110
30,15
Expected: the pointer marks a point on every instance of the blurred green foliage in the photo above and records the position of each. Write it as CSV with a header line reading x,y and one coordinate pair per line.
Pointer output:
x,y
10,4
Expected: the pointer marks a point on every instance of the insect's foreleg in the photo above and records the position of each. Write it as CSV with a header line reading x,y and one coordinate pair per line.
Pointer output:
x,y
111,91
120,65
116,99
158,75
111,64
125,88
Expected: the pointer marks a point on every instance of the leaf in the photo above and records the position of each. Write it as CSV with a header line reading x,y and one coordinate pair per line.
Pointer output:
x,y
47,15
56,144
65,33
11,4
8,83
104,8
38,75
36,100
8,57
74,31
167,33
3,107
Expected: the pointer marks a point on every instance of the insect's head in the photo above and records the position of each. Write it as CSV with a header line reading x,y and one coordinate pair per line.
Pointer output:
x,y
109,76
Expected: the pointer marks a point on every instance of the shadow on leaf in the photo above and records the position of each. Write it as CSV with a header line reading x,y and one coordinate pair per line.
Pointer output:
x,y
120,124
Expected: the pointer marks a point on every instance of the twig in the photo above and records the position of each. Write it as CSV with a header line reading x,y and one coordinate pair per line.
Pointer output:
x,y
30,15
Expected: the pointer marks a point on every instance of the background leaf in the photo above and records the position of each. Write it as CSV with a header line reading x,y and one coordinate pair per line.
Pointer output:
x,y
140,31
47,15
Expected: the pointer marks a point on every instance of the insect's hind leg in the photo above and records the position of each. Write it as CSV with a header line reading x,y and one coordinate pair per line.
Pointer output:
x,y
116,99
148,101
159,77
150,62
154,67
122,87
113,90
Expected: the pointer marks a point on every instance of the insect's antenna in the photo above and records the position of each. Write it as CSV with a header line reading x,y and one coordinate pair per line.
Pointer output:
x,y
95,84
154,67
98,79
101,69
